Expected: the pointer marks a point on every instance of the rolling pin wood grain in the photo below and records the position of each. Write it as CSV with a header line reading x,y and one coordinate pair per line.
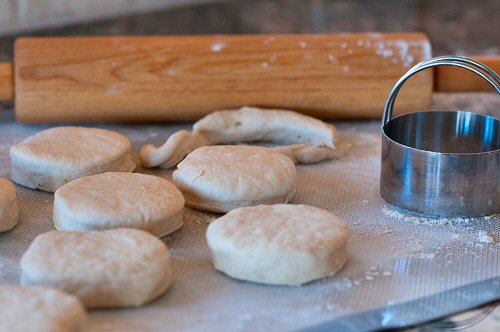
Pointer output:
x,y
185,77
451,79
6,81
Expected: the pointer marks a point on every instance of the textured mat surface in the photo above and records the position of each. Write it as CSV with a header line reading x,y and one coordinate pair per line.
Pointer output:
x,y
394,257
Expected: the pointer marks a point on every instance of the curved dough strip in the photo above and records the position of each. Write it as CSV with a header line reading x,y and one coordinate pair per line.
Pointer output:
x,y
177,146
305,154
249,124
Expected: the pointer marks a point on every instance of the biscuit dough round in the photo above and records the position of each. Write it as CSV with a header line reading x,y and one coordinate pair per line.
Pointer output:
x,y
222,178
39,309
9,210
112,268
56,156
117,199
278,244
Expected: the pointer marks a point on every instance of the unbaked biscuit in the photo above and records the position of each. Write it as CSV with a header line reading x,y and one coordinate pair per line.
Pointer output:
x,y
39,309
118,199
55,156
112,268
222,178
278,244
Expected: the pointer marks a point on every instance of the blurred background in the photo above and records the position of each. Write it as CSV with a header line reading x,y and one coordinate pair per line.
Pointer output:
x,y
454,26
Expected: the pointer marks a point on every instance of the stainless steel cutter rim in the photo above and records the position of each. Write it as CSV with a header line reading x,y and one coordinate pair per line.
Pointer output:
x,y
478,68
437,152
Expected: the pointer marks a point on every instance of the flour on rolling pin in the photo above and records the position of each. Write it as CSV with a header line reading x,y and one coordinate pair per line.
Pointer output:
x,y
396,51
186,77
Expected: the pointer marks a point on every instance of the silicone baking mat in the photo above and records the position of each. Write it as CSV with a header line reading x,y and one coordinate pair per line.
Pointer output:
x,y
402,269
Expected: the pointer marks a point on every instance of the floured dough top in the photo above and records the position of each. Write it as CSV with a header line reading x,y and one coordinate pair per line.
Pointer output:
x,y
60,252
7,193
103,268
250,124
278,244
236,173
39,309
258,229
73,148
118,199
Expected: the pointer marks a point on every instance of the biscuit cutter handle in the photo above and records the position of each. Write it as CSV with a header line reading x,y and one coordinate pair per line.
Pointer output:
x,y
460,62
6,81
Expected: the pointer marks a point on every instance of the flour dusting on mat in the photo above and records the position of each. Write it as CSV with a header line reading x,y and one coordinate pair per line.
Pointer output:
x,y
427,221
484,237
464,225
405,261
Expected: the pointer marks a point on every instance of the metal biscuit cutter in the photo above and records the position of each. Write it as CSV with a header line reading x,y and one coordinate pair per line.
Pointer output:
x,y
441,163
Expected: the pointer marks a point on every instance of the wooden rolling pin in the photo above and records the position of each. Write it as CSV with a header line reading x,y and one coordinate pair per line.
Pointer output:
x,y
173,78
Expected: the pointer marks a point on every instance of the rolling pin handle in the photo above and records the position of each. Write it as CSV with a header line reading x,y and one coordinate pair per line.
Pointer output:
x,y
6,81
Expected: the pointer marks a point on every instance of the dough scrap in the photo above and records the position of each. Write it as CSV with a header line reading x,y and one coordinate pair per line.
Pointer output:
x,y
176,148
112,268
249,124
119,199
55,156
39,309
306,154
9,210
278,244
221,178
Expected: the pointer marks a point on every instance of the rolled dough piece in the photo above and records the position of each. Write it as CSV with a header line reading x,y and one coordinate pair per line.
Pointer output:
x,y
56,156
176,148
39,309
278,244
305,154
222,178
246,125
112,268
251,124
9,210
118,199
